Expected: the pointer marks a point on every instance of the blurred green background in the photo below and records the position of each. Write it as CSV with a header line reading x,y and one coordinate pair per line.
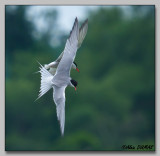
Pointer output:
x,y
115,101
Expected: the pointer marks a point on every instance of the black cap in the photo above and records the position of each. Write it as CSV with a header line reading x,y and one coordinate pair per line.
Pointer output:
x,y
75,63
75,83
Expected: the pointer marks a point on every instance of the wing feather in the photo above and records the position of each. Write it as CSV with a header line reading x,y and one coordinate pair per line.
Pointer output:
x,y
59,58
82,32
69,54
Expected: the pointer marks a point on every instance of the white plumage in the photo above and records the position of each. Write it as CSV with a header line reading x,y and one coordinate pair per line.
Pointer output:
x,y
61,77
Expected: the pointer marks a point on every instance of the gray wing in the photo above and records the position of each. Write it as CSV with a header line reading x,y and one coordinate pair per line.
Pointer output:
x,y
69,54
59,99
59,58
82,32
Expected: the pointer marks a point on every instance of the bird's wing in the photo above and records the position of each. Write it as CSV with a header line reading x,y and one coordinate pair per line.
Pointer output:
x,y
70,50
59,57
59,99
82,32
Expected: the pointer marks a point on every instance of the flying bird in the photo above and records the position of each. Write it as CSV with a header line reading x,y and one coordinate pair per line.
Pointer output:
x,y
61,79
82,33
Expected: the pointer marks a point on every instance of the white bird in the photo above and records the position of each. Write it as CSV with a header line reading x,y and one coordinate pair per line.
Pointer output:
x,y
62,78
53,65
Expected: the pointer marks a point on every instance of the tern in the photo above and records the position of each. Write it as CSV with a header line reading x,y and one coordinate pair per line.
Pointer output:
x,y
82,33
61,79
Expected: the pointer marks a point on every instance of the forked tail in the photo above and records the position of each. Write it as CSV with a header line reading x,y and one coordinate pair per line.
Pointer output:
x,y
46,81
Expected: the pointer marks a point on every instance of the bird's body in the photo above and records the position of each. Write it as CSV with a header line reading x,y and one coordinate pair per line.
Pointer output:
x,y
52,67
61,78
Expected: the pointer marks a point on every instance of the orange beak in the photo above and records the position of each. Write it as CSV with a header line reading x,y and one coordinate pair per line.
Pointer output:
x,y
77,69
75,88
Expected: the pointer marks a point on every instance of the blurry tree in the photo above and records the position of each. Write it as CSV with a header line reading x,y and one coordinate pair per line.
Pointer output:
x,y
17,29
119,56
20,34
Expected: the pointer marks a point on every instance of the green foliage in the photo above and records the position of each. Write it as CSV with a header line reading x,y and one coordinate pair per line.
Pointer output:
x,y
17,29
115,101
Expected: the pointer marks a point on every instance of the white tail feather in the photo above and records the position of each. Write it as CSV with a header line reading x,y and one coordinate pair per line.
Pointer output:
x,y
46,81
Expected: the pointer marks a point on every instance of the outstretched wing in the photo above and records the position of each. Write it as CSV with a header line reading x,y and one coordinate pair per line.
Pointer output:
x,y
59,57
59,99
82,32
64,67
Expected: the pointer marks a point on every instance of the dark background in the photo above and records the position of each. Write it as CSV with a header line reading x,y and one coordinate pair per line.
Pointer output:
x,y
115,100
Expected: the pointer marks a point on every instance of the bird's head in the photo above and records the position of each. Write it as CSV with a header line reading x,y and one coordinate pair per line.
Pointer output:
x,y
74,83
75,66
